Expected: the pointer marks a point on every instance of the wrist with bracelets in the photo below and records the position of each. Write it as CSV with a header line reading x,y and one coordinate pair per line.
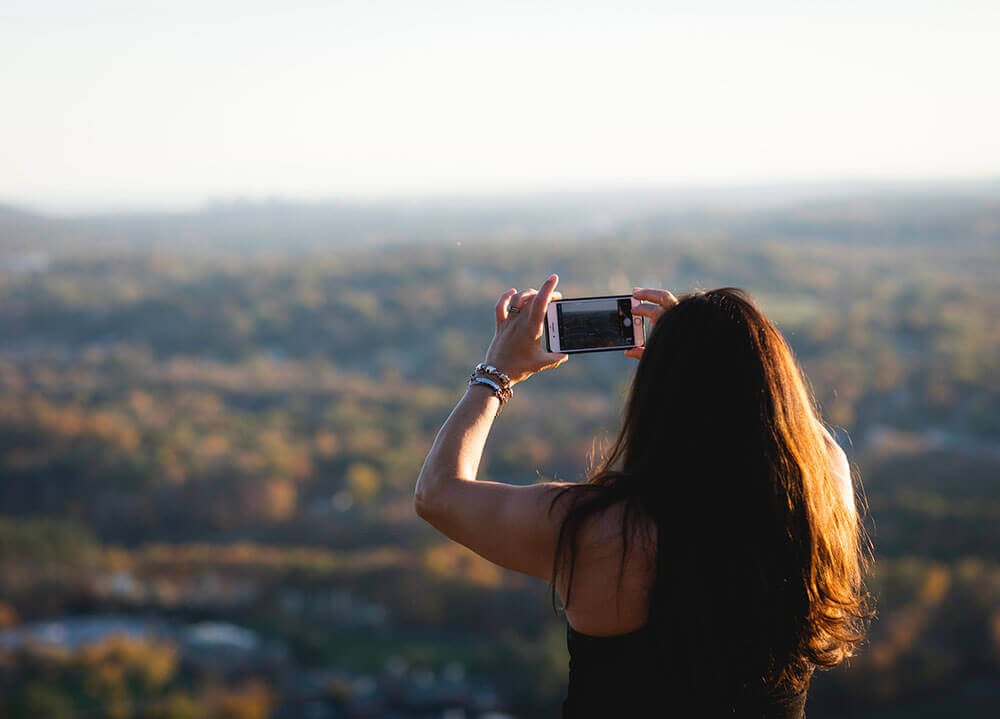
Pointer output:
x,y
489,376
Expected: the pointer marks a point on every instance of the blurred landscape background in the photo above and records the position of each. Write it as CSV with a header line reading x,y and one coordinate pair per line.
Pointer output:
x,y
212,423
249,254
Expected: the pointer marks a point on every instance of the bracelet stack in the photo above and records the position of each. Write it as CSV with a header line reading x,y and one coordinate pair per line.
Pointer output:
x,y
493,378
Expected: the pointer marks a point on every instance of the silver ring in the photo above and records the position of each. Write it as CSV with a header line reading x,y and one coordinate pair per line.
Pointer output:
x,y
513,310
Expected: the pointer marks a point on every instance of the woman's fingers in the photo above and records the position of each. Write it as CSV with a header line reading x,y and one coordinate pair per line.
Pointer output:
x,y
541,301
650,311
663,298
555,359
503,304
521,299
655,302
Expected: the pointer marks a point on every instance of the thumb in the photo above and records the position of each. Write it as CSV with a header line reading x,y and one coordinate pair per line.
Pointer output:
x,y
555,358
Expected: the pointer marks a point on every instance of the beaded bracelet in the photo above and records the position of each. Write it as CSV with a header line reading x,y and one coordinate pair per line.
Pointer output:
x,y
496,380
493,373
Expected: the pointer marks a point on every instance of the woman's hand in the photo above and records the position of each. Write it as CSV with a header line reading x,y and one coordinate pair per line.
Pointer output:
x,y
655,303
517,348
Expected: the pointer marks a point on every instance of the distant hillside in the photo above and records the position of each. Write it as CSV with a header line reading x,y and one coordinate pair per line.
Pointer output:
x,y
23,230
880,214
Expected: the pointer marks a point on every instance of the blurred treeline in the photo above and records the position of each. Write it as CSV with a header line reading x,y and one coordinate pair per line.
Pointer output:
x,y
180,409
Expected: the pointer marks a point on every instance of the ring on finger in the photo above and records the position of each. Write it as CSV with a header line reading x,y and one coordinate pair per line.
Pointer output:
x,y
513,310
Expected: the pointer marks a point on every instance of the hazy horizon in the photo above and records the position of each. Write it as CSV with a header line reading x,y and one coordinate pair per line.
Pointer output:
x,y
731,195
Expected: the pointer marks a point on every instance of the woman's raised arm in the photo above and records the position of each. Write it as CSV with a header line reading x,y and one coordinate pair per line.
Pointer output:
x,y
509,525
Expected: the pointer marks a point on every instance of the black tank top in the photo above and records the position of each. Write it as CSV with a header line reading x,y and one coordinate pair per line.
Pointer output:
x,y
619,676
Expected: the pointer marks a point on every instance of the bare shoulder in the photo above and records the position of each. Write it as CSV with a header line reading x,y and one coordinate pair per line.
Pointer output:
x,y
840,468
607,531
613,530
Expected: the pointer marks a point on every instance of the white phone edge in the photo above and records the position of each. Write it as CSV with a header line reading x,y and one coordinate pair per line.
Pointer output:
x,y
552,327
638,328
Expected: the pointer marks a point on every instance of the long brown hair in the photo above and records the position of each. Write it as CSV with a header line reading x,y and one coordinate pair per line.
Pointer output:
x,y
761,552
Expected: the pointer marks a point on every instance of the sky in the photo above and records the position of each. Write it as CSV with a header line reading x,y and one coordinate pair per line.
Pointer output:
x,y
173,103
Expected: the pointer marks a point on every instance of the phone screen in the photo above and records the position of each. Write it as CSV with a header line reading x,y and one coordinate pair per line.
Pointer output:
x,y
599,323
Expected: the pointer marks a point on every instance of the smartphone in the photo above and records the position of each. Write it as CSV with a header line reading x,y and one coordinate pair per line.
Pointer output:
x,y
593,324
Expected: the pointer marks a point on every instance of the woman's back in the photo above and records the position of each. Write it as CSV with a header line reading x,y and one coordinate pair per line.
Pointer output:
x,y
625,676
613,665
604,604
617,666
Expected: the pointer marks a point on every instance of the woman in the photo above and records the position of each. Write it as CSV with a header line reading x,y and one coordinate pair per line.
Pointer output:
x,y
716,556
